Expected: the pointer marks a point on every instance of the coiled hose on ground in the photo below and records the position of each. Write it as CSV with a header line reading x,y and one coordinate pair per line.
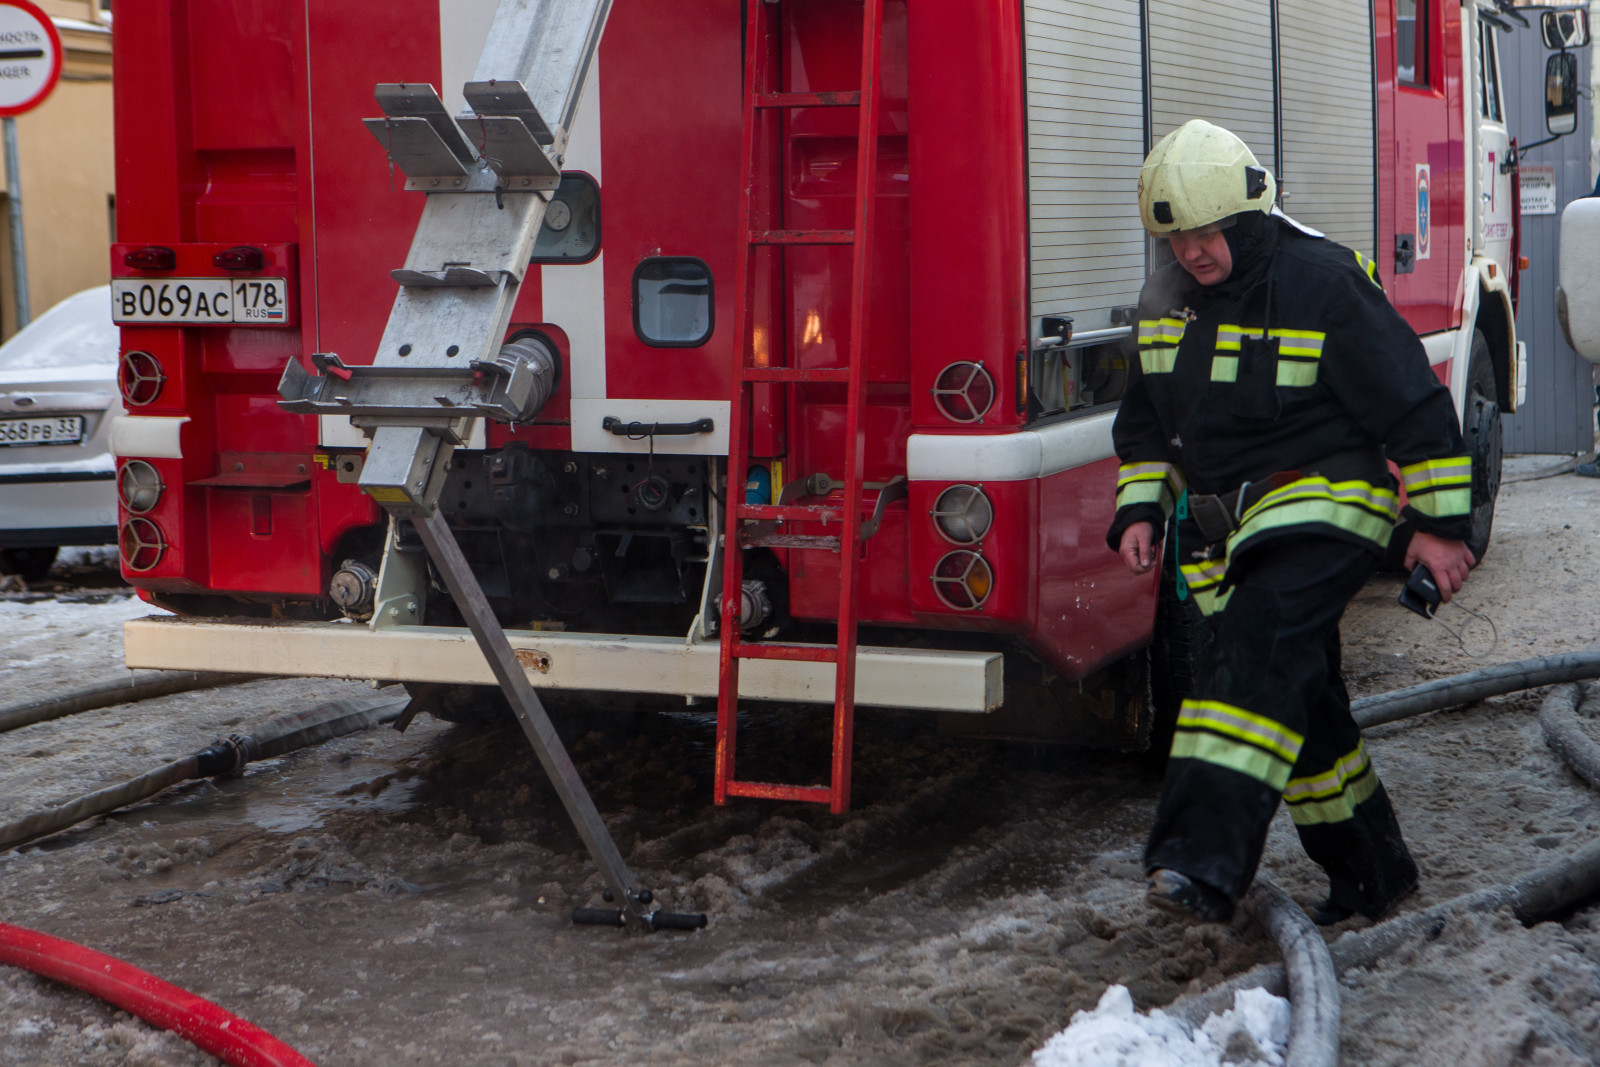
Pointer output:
x,y
1533,897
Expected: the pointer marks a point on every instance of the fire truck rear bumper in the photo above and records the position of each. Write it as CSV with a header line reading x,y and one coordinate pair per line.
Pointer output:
x,y
922,679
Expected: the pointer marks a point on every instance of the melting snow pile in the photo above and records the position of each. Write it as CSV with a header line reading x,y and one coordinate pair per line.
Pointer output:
x,y
1253,1033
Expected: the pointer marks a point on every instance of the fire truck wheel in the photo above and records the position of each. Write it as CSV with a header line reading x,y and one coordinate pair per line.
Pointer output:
x,y
1182,637
1485,442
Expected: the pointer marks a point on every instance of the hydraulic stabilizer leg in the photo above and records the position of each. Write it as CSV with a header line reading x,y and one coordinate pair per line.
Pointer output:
x,y
469,598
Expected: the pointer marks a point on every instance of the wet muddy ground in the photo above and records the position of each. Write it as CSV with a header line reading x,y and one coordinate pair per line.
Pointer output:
x,y
404,899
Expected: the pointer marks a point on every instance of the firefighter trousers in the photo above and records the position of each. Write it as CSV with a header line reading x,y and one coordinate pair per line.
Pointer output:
x,y
1270,719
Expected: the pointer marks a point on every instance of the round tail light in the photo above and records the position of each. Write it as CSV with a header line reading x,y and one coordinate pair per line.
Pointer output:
x,y
140,377
963,514
142,545
140,486
963,580
964,392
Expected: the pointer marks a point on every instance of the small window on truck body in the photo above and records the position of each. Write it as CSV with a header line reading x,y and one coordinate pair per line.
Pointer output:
x,y
1413,34
1489,74
673,302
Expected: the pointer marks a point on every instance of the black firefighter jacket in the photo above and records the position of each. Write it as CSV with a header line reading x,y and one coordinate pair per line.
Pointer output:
x,y
1227,390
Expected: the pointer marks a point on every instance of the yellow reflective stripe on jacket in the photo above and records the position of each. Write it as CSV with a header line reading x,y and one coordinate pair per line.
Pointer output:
x,y
1205,574
1209,601
1357,507
1439,488
1158,360
1306,343
1161,331
1338,808
1232,721
1154,482
1297,372
1437,473
1369,268
1236,756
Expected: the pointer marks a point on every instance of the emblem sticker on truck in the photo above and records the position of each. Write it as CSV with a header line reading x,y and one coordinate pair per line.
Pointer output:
x,y
201,301
1424,208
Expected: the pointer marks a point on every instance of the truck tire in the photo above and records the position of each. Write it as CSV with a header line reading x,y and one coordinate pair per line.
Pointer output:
x,y
1181,641
1485,442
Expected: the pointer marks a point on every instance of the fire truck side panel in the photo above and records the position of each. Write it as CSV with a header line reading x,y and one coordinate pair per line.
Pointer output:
x,y
1425,160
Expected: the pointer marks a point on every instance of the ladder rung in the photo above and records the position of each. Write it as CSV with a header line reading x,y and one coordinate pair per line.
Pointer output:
x,y
802,237
798,375
812,794
790,512
822,542
792,653
849,99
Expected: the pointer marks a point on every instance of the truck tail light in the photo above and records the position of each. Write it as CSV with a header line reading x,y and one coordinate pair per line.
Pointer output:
x,y
140,378
963,514
963,580
964,392
140,486
151,257
142,545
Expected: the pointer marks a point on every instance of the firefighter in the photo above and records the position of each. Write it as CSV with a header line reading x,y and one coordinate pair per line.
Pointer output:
x,y
1273,382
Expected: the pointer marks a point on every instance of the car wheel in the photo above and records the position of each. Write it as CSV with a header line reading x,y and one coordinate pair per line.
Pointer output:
x,y
31,564
1485,443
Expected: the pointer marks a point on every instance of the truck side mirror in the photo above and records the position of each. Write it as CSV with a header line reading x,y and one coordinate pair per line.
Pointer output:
x,y
1568,28
1561,93
1578,292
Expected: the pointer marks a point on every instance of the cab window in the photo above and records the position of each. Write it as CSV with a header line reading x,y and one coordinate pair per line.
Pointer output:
x,y
1488,75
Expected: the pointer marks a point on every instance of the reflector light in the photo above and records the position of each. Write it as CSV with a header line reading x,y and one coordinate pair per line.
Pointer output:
x,y
140,377
151,257
963,580
139,484
141,544
964,392
963,514
240,257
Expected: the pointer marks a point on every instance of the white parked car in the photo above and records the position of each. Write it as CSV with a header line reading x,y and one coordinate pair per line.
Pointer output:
x,y
58,395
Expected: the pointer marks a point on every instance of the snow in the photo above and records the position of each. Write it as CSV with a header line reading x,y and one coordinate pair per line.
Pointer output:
x,y
1253,1033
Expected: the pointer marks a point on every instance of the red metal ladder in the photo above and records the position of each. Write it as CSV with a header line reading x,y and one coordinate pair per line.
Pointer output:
x,y
761,94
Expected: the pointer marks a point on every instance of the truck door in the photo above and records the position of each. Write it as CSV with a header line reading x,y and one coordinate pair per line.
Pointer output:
x,y
1493,205
1427,177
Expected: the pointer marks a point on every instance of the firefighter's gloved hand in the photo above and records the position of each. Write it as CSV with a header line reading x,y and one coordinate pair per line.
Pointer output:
x,y
1140,549
1448,560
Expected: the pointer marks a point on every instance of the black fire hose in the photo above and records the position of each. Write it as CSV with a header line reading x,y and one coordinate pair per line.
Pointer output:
x,y
1459,689
278,736
119,691
1313,983
1532,898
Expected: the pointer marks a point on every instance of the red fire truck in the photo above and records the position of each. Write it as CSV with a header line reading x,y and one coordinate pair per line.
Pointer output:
x,y
714,402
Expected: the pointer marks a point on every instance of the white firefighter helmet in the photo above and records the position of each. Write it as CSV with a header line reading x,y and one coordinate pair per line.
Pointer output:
x,y
1199,174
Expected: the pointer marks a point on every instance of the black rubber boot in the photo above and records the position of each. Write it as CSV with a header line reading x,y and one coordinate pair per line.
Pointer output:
x,y
1175,892
1328,913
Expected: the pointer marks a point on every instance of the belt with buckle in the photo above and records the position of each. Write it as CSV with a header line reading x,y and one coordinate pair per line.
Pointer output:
x,y
1219,515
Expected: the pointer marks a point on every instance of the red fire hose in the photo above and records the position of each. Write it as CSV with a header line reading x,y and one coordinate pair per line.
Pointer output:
x,y
219,1032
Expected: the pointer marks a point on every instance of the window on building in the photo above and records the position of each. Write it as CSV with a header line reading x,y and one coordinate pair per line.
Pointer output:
x,y
1411,38
672,302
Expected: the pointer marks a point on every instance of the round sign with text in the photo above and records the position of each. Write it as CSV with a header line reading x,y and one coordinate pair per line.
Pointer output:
x,y
30,56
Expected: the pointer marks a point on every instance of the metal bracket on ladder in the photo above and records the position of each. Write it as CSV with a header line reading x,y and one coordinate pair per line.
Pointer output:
x,y
442,363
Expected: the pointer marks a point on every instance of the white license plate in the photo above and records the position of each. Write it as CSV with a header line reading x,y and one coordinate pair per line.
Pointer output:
x,y
201,301
42,430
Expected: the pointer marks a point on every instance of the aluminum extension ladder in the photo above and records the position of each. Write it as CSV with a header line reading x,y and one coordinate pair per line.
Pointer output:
x,y
772,525
441,364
